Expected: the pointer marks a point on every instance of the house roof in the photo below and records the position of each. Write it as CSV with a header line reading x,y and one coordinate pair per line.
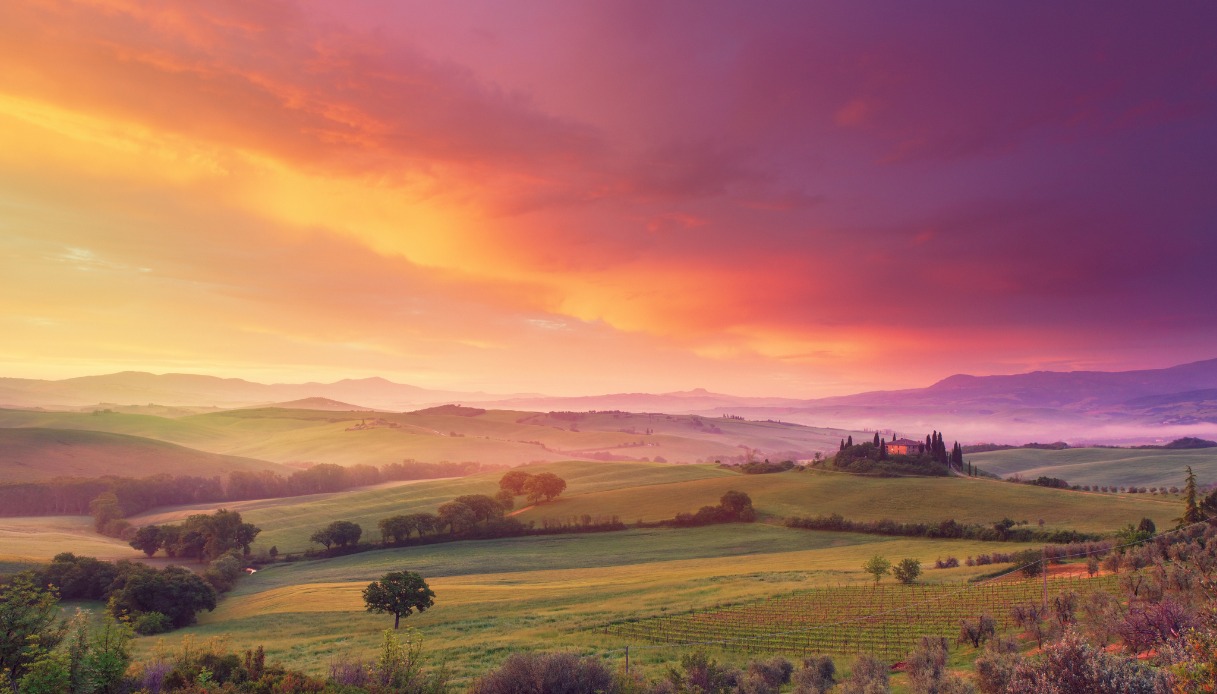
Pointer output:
x,y
906,442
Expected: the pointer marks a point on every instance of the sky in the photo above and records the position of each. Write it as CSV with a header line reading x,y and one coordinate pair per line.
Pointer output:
x,y
778,198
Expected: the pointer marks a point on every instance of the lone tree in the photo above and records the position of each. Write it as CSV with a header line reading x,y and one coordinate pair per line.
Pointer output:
x,y
878,567
398,593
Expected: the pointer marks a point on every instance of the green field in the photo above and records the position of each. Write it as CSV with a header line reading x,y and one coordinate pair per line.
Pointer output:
x,y
1120,467
27,540
924,499
493,598
652,492
568,591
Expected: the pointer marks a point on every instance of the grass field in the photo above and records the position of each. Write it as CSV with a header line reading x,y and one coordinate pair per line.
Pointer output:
x,y
287,523
926,499
652,492
492,599
565,591
32,454
28,540
1103,466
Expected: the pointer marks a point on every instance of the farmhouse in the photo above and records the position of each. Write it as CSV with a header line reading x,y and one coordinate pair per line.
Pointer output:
x,y
905,447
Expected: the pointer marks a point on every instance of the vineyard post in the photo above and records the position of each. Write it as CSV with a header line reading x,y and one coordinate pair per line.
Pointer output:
x,y
627,660
1044,572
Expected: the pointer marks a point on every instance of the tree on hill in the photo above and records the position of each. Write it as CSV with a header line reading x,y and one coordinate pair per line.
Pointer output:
x,y
147,539
424,522
340,533
396,527
735,502
200,536
1190,442
455,516
544,487
399,593
513,481
484,508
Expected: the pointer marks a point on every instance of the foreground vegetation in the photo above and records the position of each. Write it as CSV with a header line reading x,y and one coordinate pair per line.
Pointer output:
x,y
759,580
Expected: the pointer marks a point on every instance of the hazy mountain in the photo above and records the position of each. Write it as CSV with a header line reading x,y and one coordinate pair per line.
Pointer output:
x,y
139,388
1143,405
1094,406
680,402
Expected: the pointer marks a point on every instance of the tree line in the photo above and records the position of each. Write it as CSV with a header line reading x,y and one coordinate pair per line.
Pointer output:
x,y
1005,530
481,517
470,516
201,536
72,495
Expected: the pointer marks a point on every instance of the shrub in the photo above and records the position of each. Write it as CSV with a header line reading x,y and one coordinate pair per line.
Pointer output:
x,y
977,631
775,672
149,623
927,669
547,673
818,676
995,666
869,676
1072,665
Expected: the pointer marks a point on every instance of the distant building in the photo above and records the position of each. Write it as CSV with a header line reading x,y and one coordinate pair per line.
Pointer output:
x,y
905,447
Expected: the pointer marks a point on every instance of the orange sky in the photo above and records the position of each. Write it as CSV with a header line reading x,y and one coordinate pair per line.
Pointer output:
x,y
583,198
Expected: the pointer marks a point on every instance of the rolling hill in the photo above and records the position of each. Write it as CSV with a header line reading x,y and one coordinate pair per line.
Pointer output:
x,y
653,492
508,437
1103,466
1143,406
37,454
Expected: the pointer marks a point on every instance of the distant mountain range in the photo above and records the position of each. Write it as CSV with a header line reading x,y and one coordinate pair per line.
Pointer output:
x,y
191,390
1090,405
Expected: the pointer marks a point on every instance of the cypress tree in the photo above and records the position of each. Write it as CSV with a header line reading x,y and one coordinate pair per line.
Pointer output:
x,y
876,438
850,441
1191,510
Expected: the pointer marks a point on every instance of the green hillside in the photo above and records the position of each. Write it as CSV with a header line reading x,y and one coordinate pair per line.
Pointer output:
x,y
33,540
652,492
1120,467
287,523
544,593
921,499
40,454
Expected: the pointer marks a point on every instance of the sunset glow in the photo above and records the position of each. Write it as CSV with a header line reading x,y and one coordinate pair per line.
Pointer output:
x,y
796,199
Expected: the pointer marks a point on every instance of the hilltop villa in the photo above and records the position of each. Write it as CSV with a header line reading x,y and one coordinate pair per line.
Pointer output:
x,y
905,447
